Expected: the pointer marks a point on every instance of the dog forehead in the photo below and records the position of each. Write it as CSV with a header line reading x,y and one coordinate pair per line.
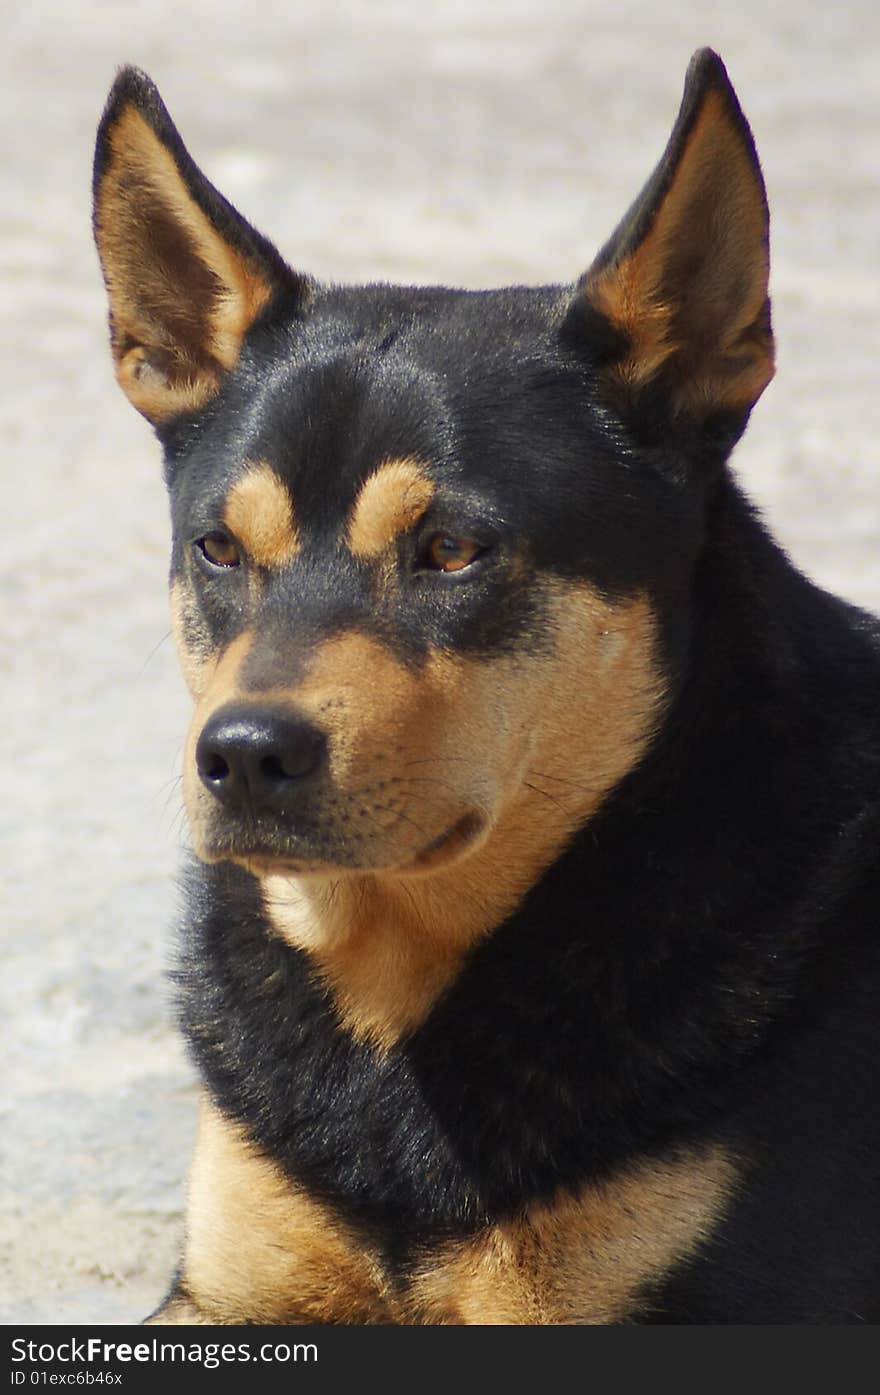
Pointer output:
x,y
372,375
348,424
328,430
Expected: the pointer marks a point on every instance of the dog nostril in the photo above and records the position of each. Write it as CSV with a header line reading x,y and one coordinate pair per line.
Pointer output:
x,y
272,767
296,754
214,768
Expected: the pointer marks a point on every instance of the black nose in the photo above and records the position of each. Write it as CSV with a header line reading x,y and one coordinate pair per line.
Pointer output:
x,y
258,756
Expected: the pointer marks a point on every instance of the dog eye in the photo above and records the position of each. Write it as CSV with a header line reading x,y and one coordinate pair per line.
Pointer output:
x,y
220,550
446,554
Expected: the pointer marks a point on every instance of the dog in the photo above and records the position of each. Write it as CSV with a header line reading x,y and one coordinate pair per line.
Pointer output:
x,y
530,959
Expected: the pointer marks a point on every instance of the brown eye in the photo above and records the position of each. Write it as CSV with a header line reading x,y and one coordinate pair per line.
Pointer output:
x,y
447,554
219,550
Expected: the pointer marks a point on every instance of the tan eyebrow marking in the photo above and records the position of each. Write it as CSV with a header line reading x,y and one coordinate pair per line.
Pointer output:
x,y
393,498
259,513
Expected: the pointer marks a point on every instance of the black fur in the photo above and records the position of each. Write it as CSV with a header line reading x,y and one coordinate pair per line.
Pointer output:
x,y
701,964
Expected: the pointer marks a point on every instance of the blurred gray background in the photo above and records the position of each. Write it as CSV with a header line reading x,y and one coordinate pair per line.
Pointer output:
x,y
476,143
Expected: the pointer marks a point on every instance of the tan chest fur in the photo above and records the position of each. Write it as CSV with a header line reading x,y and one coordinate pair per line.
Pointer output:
x,y
259,1249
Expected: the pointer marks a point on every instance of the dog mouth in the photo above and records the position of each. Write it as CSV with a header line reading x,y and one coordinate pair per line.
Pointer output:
x,y
451,845
269,855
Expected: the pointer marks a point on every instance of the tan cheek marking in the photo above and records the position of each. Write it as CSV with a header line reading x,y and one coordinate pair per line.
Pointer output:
x,y
547,736
585,1258
216,689
259,1249
223,684
191,640
392,500
597,702
259,513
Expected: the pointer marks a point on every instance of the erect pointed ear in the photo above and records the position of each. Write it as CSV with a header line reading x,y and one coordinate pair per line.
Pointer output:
x,y
185,274
683,281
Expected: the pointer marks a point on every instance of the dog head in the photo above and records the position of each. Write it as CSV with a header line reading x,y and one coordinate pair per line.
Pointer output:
x,y
432,548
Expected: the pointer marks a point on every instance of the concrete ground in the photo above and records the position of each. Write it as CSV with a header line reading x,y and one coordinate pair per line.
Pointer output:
x,y
467,141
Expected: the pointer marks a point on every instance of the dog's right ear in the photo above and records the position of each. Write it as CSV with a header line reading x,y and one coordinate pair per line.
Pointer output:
x,y
185,274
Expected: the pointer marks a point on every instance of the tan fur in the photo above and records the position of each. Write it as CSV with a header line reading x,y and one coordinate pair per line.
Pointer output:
x,y
530,745
584,1258
646,294
194,649
393,499
141,184
259,1249
216,690
259,514
147,387
627,294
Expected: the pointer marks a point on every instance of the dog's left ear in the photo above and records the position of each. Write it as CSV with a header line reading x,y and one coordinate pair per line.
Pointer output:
x,y
186,275
683,281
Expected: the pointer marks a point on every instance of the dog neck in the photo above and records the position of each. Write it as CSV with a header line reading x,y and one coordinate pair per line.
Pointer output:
x,y
387,944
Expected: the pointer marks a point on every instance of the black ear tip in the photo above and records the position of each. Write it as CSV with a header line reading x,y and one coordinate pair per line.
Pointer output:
x,y
133,82
131,89
705,73
134,88
706,62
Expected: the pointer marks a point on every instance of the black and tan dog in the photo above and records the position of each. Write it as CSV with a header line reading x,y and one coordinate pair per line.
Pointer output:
x,y
531,959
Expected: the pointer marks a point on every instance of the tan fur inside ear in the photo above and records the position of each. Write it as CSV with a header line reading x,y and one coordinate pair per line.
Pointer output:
x,y
692,296
181,296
